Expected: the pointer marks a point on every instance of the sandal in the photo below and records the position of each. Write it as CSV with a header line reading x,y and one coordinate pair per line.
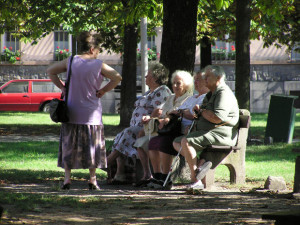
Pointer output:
x,y
93,186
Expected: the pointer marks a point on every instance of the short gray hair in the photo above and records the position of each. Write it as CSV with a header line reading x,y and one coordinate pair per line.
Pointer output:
x,y
218,71
159,72
186,77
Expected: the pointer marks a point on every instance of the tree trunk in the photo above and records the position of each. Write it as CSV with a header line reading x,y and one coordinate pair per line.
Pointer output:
x,y
242,43
205,52
128,84
179,35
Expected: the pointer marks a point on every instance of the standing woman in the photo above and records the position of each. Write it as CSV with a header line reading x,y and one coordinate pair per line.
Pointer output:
x,y
82,144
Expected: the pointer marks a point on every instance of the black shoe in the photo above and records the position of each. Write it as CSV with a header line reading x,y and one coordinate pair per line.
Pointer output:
x,y
159,184
142,183
66,186
202,170
168,185
153,182
94,186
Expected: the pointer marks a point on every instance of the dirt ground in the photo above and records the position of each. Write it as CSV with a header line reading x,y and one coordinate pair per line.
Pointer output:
x,y
124,204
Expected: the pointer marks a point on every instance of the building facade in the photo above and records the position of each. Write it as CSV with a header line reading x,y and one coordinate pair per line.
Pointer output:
x,y
273,70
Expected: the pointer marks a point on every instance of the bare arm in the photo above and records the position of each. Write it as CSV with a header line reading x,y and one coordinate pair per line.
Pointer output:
x,y
207,114
56,69
211,116
111,74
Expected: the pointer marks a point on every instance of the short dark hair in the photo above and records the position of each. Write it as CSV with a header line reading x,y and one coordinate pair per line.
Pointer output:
x,y
87,40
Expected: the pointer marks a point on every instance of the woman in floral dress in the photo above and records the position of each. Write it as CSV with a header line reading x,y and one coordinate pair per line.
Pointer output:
x,y
148,104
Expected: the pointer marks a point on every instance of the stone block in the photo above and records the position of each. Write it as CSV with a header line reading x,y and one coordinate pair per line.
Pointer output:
x,y
275,183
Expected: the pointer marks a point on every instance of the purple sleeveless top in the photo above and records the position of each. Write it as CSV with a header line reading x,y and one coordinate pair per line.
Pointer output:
x,y
84,106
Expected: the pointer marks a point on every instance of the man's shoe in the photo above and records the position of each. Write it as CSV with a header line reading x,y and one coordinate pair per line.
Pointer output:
x,y
159,185
156,184
197,185
151,182
142,183
202,170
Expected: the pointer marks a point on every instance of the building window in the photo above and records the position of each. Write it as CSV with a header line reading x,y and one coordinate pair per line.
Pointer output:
x,y
151,42
295,55
61,44
12,42
10,47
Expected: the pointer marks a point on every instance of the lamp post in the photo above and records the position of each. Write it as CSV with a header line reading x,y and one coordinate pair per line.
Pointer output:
x,y
144,53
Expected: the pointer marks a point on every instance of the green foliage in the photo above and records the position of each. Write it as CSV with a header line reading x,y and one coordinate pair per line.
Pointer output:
x,y
10,56
276,22
36,19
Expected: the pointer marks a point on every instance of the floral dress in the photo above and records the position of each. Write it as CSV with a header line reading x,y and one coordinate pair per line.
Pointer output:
x,y
145,105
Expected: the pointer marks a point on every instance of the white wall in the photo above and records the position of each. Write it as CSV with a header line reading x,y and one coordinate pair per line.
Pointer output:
x,y
261,92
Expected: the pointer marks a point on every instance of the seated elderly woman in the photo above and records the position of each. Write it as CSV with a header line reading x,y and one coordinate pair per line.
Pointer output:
x,y
217,124
161,150
182,85
156,80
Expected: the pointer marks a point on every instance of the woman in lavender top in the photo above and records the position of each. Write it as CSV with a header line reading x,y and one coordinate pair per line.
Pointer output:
x,y
82,144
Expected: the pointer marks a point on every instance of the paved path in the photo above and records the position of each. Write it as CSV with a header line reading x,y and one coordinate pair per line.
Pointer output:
x,y
22,138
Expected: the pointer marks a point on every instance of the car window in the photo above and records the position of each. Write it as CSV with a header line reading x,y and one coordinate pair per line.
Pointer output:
x,y
44,87
16,87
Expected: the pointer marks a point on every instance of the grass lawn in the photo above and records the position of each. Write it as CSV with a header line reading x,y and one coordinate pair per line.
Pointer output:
x,y
36,161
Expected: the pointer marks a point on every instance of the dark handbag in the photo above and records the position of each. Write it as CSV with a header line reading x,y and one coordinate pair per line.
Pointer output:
x,y
173,128
58,111
58,108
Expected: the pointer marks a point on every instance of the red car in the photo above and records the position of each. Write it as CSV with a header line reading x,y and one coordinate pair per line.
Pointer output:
x,y
27,95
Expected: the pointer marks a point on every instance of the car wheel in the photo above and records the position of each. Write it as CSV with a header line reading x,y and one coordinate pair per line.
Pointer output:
x,y
46,108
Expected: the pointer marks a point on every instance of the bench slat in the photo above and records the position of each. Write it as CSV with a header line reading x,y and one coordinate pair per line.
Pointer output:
x,y
222,147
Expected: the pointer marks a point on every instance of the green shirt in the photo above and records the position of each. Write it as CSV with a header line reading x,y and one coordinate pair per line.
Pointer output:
x,y
224,104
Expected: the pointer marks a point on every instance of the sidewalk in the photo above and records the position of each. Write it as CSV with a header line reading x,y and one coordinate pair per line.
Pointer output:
x,y
23,138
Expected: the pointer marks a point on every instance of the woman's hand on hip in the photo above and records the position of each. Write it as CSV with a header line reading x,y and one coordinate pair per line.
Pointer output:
x,y
100,93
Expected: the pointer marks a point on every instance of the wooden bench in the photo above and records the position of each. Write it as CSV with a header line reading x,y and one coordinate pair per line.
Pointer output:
x,y
231,156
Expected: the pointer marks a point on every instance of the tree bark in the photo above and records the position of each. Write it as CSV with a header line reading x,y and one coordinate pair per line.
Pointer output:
x,y
128,84
205,52
242,66
179,35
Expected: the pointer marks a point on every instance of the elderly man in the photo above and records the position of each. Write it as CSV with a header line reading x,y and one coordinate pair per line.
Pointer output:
x,y
217,124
